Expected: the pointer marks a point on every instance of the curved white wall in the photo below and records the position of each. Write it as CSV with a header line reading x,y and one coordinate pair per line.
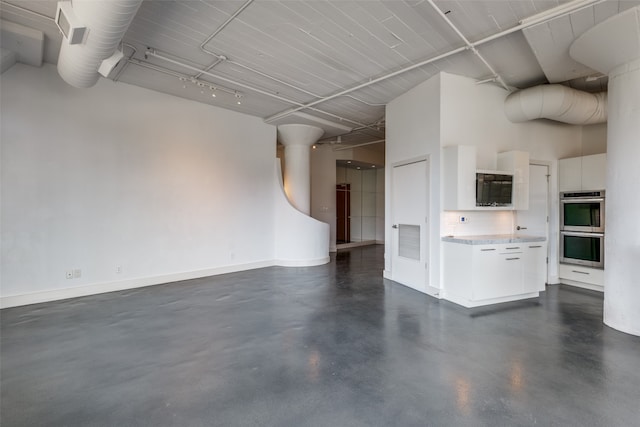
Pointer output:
x,y
299,239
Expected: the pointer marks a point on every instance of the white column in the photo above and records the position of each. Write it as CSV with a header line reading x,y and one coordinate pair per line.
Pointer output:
x,y
613,48
297,141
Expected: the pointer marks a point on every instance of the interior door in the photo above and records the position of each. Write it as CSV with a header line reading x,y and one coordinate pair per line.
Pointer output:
x,y
409,208
535,220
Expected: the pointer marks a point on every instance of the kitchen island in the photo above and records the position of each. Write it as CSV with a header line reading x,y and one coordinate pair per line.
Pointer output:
x,y
491,269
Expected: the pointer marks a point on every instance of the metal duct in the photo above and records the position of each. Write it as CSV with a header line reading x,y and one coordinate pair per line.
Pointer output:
x,y
556,102
106,21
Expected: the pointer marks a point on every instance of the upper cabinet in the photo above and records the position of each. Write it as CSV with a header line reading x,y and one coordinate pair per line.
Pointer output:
x,y
583,173
459,179
517,162
459,167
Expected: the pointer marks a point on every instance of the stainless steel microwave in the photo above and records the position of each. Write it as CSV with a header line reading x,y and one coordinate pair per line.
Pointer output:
x,y
582,211
582,248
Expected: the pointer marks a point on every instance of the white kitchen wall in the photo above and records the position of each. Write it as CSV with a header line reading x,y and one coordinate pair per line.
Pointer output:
x,y
120,177
454,110
477,223
413,131
594,139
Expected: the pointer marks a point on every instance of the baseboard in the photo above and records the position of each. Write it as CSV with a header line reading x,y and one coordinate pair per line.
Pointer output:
x,y
121,285
434,292
355,244
302,263
582,285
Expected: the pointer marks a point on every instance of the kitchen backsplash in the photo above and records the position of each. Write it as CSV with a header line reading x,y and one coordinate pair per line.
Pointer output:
x,y
477,223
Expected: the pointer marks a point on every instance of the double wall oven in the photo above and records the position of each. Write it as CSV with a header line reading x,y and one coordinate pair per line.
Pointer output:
x,y
582,228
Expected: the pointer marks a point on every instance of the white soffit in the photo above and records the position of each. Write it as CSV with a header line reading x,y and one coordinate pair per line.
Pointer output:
x,y
27,43
550,41
613,43
330,128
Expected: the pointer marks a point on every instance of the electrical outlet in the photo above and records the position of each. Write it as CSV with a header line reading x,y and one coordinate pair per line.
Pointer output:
x,y
463,219
77,273
69,274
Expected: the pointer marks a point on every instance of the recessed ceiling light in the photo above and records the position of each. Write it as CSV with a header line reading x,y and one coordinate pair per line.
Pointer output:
x,y
349,161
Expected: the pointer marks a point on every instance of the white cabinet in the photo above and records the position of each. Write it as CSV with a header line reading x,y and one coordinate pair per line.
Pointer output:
x,y
583,173
594,172
476,275
497,271
459,167
535,266
517,162
583,277
459,178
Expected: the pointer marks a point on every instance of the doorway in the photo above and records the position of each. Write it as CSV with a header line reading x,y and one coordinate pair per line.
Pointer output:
x,y
343,213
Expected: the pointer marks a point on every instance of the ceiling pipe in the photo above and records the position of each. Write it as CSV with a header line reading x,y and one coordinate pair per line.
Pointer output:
x,y
220,58
470,46
349,147
155,54
106,22
575,6
556,102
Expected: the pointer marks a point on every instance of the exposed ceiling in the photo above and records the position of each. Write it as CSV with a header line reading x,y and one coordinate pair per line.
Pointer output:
x,y
336,63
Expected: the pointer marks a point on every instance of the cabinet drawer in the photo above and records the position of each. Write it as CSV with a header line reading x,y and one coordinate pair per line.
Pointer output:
x,y
593,276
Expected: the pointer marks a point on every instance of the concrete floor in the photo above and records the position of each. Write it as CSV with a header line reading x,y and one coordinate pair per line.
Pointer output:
x,y
333,345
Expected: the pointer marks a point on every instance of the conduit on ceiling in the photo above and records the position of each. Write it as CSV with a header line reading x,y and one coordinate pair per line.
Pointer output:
x,y
106,22
556,102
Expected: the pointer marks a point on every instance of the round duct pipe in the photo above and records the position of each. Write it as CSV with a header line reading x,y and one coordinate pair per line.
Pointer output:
x,y
556,102
106,22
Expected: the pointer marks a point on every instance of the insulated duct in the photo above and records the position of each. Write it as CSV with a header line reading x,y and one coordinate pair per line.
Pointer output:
x,y
106,22
556,102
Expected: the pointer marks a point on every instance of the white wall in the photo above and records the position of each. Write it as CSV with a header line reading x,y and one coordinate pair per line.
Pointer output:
x,y
119,176
413,131
594,139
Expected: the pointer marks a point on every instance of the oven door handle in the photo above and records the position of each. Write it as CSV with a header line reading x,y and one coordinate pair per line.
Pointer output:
x,y
579,234
581,200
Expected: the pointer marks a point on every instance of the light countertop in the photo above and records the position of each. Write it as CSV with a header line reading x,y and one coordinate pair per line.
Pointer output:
x,y
488,239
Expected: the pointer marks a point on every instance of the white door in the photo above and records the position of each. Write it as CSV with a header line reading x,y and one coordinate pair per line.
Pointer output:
x,y
535,220
410,233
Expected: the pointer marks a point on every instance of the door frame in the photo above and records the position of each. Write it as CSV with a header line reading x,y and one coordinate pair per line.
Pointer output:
x,y
547,164
425,231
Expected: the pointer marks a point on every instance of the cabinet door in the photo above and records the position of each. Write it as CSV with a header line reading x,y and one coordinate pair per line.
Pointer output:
x,y
535,267
459,167
594,172
496,274
570,174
